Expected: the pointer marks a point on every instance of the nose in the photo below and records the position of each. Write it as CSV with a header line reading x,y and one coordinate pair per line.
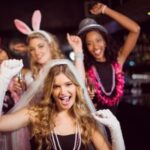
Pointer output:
x,y
95,45
62,90
37,51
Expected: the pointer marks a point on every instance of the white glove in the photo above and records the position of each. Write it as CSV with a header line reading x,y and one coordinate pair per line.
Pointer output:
x,y
8,69
108,119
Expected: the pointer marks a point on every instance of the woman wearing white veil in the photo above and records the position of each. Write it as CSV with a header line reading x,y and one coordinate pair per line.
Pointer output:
x,y
34,89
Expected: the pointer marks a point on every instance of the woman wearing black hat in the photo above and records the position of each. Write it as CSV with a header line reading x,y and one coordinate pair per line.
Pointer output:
x,y
103,63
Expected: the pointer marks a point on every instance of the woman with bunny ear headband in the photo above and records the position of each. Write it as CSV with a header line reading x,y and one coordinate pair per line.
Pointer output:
x,y
42,47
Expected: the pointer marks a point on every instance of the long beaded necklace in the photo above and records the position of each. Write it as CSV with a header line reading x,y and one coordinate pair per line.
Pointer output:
x,y
77,141
100,82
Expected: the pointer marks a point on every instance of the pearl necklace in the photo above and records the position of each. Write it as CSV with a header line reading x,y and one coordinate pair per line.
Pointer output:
x,y
77,141
100,82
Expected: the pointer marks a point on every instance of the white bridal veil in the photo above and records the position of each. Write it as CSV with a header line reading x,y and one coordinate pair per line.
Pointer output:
x,y
26,98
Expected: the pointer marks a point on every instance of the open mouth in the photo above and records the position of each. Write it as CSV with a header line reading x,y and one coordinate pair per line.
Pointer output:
x,y
97,52
65,99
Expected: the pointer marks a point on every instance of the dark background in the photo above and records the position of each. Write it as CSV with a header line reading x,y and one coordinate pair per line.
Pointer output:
x,y
62,16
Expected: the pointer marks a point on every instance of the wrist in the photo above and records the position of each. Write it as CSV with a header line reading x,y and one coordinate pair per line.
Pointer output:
x,y
104,8
79,55
115,127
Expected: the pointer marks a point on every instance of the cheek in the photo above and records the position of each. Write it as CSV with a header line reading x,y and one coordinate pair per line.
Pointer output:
x,y
32,54
54,94
74,91
47,54
89,48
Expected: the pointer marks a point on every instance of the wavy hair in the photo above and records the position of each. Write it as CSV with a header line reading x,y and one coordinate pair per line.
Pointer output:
x,y
47,109
55,52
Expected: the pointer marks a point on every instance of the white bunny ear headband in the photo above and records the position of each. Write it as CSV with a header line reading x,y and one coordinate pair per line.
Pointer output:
x,y
36,21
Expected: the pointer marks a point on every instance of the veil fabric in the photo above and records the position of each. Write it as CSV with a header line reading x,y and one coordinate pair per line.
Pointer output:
x,y
34,89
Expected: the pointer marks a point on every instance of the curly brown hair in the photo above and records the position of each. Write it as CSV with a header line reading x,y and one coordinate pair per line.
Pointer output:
x,y
43,122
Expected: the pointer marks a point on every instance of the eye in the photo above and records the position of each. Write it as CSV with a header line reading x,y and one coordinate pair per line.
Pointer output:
x,y
100,40
69,84
41,46
56,86
31,49
88,44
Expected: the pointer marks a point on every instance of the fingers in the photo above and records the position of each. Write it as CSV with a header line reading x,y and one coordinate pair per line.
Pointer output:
x,y
106,113
18,86
73,38
97,8
101,119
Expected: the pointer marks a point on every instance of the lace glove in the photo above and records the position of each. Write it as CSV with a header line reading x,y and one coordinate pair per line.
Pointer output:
x,y
8,69
108,119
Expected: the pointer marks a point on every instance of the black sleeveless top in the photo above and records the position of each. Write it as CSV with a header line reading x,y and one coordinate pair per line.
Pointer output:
x,y
66,143
104,70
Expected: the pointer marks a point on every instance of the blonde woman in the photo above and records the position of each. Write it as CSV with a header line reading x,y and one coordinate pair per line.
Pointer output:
x,y
62,119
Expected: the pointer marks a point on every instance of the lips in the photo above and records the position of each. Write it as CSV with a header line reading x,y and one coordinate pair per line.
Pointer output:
x,y
65,99
97,52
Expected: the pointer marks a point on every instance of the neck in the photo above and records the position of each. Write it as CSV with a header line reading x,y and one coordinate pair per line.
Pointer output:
x,y
62,114
101,60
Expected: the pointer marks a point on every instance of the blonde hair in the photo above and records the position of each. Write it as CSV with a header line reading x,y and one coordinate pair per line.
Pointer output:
x,y
56,52
46,109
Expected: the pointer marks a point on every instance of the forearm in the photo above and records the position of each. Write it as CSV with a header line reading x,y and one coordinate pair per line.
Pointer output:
x,y
117,138
123,20
79,63
14,121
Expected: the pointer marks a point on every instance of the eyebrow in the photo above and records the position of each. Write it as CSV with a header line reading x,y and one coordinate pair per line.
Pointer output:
x,y
65,82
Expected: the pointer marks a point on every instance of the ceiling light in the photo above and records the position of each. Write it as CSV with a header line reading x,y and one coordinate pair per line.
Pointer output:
x,y
148,13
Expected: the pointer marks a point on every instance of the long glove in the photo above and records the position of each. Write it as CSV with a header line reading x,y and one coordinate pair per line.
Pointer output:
x,y
108,119
8,69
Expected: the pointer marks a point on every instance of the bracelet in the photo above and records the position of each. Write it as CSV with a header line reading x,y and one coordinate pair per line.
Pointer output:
x,y
103,9
79,55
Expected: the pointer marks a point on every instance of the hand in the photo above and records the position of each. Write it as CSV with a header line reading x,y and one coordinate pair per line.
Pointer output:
x,y
90,87
91,92
75,42
98,9
10,68
106,118
17,87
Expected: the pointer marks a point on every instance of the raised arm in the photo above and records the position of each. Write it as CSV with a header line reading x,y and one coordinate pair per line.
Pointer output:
x,y
76,44
14,121
125,22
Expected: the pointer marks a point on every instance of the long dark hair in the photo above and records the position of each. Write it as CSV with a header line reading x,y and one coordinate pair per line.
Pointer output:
x,y
111,51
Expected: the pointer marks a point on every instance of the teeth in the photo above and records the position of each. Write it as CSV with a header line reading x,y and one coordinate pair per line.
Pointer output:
x,y
97,51
65,98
